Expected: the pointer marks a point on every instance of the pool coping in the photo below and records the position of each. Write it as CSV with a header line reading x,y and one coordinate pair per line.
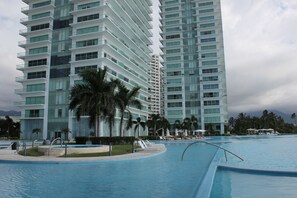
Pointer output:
x,y
10,156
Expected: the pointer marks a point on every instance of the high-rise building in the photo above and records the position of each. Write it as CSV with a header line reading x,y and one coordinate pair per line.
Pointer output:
x,y
155,88
193,54
63,37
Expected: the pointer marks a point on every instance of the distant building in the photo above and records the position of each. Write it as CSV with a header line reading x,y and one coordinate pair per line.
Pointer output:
x,y
155,97
162,96
195,76
64,37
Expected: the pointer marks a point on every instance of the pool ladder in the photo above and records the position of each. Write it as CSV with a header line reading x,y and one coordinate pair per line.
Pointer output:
x,y
225,150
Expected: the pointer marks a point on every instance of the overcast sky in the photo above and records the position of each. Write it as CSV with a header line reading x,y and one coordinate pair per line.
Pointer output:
x,y
260,53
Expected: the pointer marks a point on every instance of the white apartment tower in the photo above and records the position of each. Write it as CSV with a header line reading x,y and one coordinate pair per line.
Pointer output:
x,y
63,37
193,53
155,89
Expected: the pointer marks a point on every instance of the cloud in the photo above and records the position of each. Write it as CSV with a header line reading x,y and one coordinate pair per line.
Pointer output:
x,y
10,26
260,51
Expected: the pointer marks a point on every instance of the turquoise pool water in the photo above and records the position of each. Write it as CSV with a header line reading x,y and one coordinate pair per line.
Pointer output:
x,y
269,169
164,175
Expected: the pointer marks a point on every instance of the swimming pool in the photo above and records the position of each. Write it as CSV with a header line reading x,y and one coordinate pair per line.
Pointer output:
x,y
269,169
163,175
265,172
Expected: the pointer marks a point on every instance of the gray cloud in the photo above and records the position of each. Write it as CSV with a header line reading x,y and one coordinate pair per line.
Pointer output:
x,y
260,52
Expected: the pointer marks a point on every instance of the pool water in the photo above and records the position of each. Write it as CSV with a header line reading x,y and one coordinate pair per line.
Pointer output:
x,y
164,175
269,169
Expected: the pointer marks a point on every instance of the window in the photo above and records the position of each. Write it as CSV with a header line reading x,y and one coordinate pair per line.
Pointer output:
x,y
209,47
207,25
172,89
209,32
206,63
174,81
206,11
34,113
38,50
38,38
87,43
173,43
174,104
174,97
88,5
175,112
211,78
211,111
209,55
174,22
211,86
41,15
208,71
174,65
173,36
205,4
211,94
79,69
173,58
40,27
36,87
211,102
87,30
172,51
174,73
88,17
34,75
85,56
39,62
206,40
37,5
206,18
35,100
171,9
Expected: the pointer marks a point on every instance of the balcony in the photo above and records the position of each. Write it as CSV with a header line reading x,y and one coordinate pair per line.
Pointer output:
x,y
27,20
28,9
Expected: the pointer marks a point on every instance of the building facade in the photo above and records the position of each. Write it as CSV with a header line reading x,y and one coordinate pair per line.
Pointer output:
x,y
63,37
155,89
193,54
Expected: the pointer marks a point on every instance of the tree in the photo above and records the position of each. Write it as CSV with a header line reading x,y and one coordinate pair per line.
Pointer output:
x,y
66,132
164,124
293,117
154,122
194,122
138,123
110,109
91,97
124,99
36,131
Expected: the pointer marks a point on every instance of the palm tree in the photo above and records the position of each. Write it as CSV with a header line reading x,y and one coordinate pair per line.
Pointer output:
x,y
138,123
186,125
293,117
125,98
66,132
109,111
194,122
90,97
177,125
36,131
164,124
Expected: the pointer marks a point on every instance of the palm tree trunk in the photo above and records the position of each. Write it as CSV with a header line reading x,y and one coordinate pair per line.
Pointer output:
x,y
122,125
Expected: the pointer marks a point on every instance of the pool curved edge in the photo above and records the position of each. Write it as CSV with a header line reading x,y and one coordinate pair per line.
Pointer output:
x,y
155,150
270,172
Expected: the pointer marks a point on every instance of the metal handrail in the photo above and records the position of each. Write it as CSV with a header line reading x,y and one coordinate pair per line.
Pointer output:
x,y
225,150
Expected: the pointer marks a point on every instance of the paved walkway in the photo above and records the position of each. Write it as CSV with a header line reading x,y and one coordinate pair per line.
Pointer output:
x,y
11,155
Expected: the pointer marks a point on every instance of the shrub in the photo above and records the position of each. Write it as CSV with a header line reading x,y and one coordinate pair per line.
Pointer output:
x,y
105,140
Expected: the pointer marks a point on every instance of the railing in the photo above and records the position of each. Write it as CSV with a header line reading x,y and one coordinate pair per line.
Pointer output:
x,y
225,150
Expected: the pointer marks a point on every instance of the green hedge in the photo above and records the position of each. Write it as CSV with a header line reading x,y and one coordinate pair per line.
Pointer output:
x,y
105,140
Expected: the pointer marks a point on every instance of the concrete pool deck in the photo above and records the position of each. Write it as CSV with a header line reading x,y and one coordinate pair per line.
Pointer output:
x,y
12,156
